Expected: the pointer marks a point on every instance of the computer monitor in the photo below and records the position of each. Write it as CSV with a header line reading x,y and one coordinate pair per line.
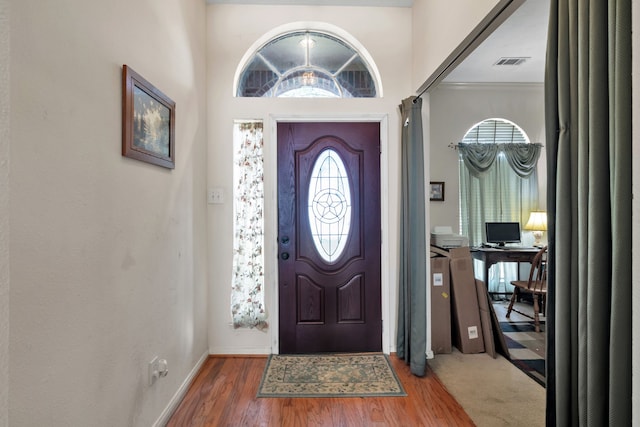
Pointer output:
x,y
502,232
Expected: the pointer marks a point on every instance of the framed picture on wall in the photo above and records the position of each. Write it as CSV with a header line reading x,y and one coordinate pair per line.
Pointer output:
x,y
148,121
436,191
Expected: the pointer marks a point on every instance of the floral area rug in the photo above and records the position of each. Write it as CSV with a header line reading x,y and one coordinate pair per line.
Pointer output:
x,y
331,375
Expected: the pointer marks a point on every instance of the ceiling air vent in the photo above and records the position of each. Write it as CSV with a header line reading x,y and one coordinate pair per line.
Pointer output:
x,y
511,61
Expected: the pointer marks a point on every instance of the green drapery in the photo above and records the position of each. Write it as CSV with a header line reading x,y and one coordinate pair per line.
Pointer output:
x,y
588,109
412,303
492,190
496,187
521,157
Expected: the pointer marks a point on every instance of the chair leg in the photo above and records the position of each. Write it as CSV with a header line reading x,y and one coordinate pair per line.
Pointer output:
x,y
513,299
536,311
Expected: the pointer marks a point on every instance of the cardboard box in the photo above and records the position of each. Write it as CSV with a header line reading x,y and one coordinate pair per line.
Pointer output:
x,y
485,318
467,327
440,305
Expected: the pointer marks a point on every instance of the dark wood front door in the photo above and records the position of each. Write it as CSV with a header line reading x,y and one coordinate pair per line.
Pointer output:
x,y
329,237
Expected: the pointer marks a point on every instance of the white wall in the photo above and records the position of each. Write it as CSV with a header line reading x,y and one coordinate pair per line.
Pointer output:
x,y
455,108
108,254
4,213
439,27
232,30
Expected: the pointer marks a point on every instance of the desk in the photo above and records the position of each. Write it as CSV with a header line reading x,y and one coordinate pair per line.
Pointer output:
x,y
490,256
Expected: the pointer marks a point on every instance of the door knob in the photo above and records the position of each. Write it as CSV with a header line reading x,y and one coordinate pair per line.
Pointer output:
x,y
284,255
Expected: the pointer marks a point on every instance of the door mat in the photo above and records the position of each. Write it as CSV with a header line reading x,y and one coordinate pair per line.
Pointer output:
x,y
526,348
331,375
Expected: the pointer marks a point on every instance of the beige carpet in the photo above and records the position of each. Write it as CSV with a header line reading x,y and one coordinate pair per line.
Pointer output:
x,y
492,391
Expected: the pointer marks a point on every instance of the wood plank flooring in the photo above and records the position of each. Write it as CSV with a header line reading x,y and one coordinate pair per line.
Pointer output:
x,y
224,394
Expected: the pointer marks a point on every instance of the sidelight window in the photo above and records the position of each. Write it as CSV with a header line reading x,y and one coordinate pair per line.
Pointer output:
x,y
247,290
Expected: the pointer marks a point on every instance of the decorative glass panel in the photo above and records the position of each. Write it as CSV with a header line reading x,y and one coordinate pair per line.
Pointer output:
x,y
307,64
308,83
329,205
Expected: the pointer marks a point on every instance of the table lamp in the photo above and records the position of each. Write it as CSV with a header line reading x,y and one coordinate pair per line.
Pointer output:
x,y
538,224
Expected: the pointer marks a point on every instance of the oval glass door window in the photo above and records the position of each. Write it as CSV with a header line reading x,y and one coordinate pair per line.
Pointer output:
x,y
329,205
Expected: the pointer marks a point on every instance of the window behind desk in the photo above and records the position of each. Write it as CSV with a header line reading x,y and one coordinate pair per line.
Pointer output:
x,y
491,190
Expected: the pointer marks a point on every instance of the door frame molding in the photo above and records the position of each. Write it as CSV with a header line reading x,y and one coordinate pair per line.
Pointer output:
x,y
271,217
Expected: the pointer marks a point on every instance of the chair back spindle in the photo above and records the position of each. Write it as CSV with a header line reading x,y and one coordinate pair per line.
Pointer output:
x,y
536,286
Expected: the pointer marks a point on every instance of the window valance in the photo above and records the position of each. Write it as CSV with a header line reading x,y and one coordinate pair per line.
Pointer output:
x,y
479,157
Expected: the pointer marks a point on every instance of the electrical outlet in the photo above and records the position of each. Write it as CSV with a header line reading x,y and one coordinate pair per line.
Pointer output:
x,y
158,368
215,196
154,370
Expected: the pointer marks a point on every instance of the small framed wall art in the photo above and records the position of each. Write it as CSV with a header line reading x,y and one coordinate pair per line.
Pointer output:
x,y
436,191
148,121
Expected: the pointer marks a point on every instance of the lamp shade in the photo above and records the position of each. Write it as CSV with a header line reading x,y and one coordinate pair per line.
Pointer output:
x,y
537,221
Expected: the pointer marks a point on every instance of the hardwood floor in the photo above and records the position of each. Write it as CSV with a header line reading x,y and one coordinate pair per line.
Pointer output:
x,y
224,394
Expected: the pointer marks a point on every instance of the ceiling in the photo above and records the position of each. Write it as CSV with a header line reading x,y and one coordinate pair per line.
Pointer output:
x,y
522,35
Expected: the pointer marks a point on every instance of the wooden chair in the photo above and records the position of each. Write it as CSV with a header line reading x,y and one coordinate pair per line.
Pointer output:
x,y
536,286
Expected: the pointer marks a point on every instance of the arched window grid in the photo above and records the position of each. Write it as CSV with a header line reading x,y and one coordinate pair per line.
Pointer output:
x,y
297,77
327,64
495,131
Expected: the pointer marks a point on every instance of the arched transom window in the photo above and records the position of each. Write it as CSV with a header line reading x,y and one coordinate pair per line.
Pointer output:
x,y
307,64
495,131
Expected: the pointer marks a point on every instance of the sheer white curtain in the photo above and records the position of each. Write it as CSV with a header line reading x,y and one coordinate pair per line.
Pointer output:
x,y
247,289
498,194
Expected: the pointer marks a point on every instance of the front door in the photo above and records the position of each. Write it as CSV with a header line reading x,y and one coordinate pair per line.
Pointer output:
x,y
329,237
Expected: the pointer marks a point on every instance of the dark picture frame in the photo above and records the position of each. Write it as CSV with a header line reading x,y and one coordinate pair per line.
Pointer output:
x,y
148,121
436,191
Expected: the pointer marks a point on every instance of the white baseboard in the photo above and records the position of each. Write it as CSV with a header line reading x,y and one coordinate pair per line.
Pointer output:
x,y
248,351
179,395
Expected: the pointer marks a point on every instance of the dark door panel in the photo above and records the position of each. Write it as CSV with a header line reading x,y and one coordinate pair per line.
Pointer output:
x,y
329,237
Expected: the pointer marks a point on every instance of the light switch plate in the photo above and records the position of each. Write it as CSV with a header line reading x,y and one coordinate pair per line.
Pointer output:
x,y
215,196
